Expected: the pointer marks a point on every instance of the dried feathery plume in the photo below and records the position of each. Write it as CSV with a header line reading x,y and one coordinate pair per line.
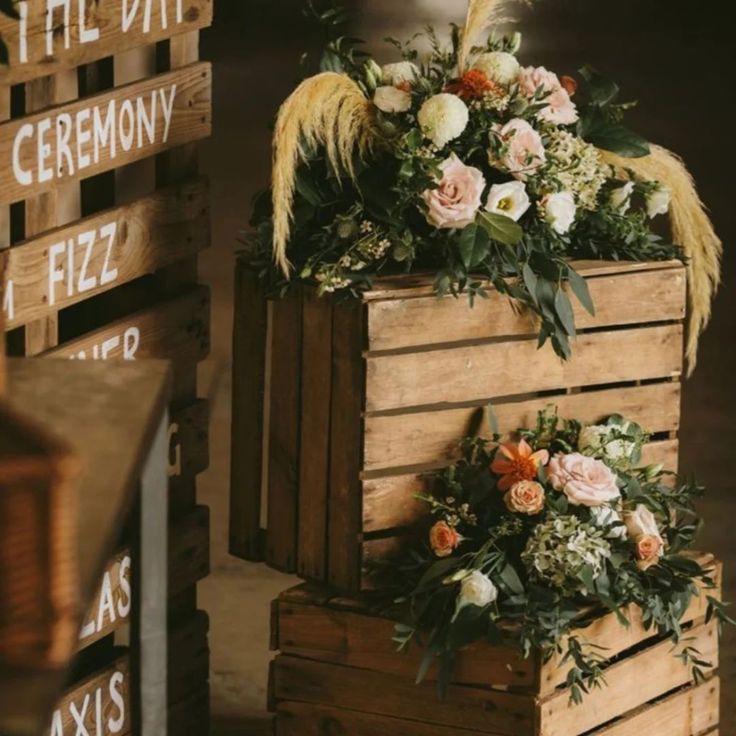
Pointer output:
x,y
327,110
691,228
481,14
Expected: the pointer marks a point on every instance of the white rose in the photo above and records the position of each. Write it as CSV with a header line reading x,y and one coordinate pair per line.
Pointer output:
x,y
658,202
498,66
559,211
604,516
443,118
400,73
641,522
477,590
509,199
621,197
392,100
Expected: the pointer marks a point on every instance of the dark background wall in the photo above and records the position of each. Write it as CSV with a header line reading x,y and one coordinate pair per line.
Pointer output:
x,y
677,57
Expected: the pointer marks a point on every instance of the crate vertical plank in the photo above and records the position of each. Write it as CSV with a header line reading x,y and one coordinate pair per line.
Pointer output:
x,y
315,434
346,431
249,374
284,435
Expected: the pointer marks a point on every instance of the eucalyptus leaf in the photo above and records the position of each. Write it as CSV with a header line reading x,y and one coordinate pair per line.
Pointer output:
x,y
474,245
580,288
564,312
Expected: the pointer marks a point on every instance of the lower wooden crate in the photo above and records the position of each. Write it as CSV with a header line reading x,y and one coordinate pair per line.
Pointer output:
x,y
338,673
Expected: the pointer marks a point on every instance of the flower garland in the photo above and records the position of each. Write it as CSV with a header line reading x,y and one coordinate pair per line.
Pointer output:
x,y
525,535
471,164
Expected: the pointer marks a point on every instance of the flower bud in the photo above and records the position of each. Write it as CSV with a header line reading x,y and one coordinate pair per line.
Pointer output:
x,y
513,42
373,75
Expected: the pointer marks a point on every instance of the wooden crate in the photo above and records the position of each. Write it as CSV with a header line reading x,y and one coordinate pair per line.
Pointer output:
x,y
39,588
99,238
338,672
348,402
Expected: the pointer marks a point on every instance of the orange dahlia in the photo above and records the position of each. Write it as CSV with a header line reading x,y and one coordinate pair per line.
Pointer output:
x,y
517,462
473,84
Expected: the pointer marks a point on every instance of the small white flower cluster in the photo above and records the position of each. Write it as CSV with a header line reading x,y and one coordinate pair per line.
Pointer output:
x,y
560,548
374,249
576,166
331,281
491,101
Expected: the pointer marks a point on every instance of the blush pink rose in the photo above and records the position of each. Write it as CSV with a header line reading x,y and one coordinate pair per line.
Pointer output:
x,y
524,150
584,480
457,199
560,108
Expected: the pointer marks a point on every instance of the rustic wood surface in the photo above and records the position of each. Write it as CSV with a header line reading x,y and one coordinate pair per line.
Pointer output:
x,y
109,249
190,121
107,28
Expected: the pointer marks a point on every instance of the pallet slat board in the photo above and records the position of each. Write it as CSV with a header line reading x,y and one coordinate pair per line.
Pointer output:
x,y
390,383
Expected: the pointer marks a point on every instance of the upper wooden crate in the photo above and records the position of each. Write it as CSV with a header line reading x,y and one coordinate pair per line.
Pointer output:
x,y
338,672
359,397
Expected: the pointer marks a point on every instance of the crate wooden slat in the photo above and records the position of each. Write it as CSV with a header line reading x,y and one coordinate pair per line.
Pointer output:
x,y
363,396
337,665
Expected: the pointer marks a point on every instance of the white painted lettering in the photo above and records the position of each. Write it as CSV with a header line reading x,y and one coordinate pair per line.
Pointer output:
x,y
145,121
86,284
70,268
125,600
109,347
44,151
104,135
79,717
98,712
116,724
168,110
108,274
51,6
127,136
131,343
22,176
56,272
86,35
107,605
179,11
57,725
129,14
87,630
84,136
23,32
9,299
63,150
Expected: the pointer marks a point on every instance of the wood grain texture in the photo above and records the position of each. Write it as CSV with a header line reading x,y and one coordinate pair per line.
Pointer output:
x,y
190,121
167,18
284,435
618,299
250,329
488,711
189,550
189,451
400,440
480,372
348,397
664,673
188,659
109,249
314,465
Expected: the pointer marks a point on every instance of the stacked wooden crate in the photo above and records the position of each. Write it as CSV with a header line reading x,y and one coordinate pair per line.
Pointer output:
x,y
102,216
348,402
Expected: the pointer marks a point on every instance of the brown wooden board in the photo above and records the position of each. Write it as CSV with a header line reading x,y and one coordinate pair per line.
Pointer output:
x,y
73,263
189,550
176,330
91,31
188,444
188,658
90,136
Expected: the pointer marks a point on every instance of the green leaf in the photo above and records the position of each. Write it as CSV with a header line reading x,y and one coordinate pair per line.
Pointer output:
x,y
530,280
564,312
500,228
474,245
510,578
579,287
596,128
602,91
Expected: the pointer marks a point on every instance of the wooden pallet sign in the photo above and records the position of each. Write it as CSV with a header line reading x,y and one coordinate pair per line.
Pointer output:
x,y
100,133
363,397
99,253
55,34
189,443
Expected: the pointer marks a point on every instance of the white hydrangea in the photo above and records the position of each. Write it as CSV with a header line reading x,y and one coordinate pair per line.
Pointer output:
x,y
658,202
499,66
400,73
607,443
443,118
605,517
560,548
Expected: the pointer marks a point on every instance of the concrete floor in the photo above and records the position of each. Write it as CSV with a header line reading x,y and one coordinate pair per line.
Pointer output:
x,y
667,61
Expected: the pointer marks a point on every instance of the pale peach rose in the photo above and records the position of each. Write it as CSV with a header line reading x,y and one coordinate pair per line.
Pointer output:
x,y
457,199
524,152
560,108
649,550
443,539
525,497
584,480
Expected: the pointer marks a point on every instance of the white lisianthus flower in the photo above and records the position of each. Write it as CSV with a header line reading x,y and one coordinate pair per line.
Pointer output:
x,y
443,118
641,522
559,211
477,589
605,516
499,66
509,199
392,100
658,202
400,73
621,197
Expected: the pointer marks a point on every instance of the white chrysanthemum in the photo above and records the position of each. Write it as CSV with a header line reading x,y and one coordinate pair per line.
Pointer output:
x,y
392,100
443,118
621,197
560,548
559,210
499,66
509,199
400,73
658,202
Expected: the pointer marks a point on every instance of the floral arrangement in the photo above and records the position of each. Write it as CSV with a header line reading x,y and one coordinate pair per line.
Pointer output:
x,y
524,536
476,165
